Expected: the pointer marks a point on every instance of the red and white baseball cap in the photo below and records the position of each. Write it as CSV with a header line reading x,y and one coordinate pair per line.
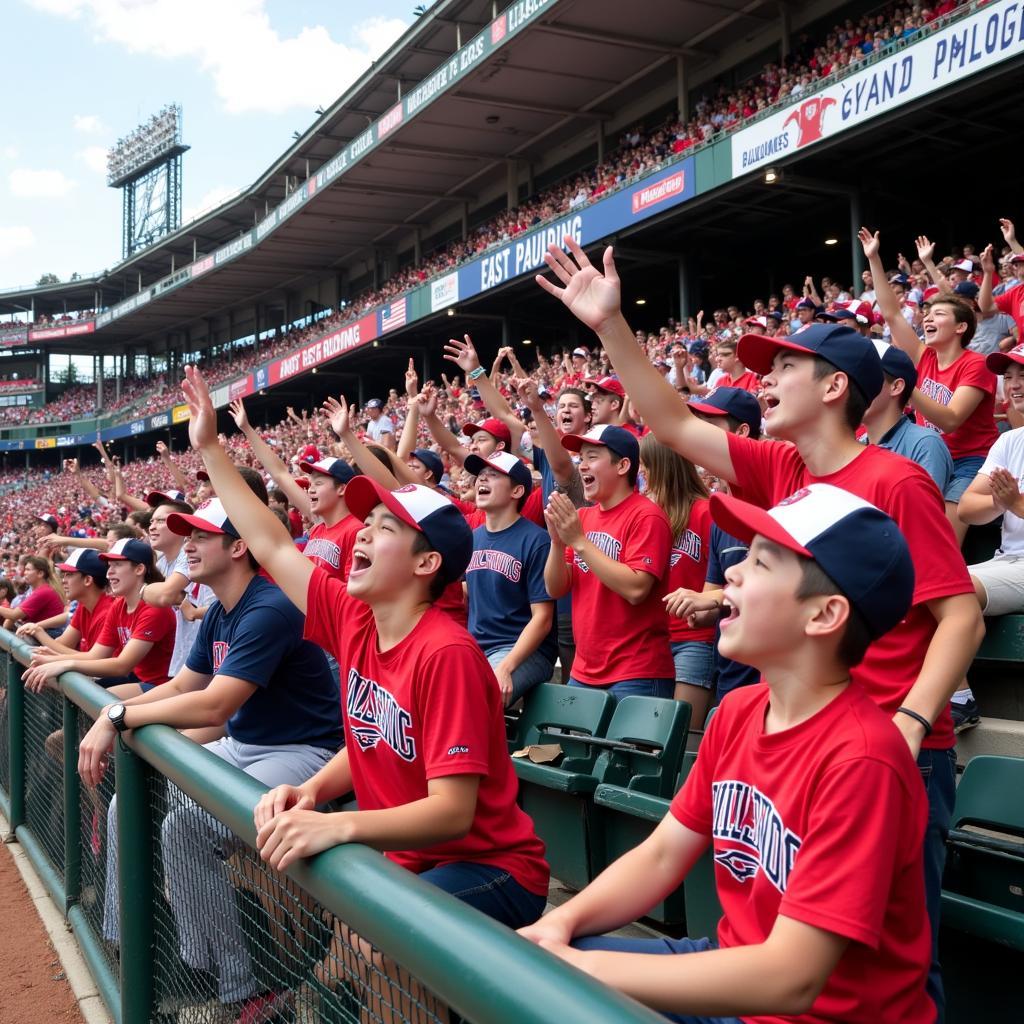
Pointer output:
x,y
852,310
757,321
491,426
310,454
424,509
209,517
155,498
610,385
997,362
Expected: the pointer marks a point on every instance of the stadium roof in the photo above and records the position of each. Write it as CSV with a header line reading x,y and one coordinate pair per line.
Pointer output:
x,y
576,65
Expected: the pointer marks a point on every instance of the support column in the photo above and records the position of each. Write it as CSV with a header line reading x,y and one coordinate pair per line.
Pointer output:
x,y
511,184
684,292
599,128
417,246
682,89
856,250
465,221
785,31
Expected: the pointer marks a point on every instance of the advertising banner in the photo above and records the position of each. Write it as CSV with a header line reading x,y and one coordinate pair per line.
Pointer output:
x,y
62,330
323,349
180,414
993,34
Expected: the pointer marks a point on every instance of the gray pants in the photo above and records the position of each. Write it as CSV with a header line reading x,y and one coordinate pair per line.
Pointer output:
x,y
197,884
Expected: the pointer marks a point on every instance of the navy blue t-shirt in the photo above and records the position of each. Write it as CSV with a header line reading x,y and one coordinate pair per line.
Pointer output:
x,y
563,606
505,576
726,551
260,641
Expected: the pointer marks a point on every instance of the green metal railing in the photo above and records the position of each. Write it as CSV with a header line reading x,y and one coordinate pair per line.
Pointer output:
x,y
344,936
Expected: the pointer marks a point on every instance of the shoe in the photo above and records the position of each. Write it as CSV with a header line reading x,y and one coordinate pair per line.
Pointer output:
x,y
965,716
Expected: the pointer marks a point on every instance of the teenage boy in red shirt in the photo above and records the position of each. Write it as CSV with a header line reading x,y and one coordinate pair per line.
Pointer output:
x,y
818,383
806,791
614,559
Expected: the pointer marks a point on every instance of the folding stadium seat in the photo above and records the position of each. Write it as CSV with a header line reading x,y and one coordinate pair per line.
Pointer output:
x,y
983,887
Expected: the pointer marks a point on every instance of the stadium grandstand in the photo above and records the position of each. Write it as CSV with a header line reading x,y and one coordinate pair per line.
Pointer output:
x,y
739,157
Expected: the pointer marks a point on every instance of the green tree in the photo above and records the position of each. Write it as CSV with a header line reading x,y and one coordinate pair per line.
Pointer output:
x,y
47,279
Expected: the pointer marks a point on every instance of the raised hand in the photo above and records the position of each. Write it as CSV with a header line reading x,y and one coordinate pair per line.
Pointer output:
x,y
163,451
592,297
988,263
869,242
526,389
1007,228
412,380
427,400
925,248
202,424
563,520
239,415
462,353
337,413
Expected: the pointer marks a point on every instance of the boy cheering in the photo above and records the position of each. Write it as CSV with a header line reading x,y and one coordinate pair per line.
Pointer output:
x,y
806,791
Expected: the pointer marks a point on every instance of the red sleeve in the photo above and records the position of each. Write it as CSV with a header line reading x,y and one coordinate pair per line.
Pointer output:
x,y
42,603
326,603
842,875
533,508
648,545
108,631
458,741
76,619
976,374
153,624
1004,302
765,471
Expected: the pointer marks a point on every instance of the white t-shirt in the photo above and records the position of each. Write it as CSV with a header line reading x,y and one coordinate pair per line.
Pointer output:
x,y
1008,453
379,427
184,632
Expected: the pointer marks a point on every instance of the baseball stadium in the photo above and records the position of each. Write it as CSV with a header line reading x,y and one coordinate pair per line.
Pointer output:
x,y
563,513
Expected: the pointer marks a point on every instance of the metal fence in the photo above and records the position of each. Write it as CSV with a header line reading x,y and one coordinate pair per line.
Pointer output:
x,y
179,920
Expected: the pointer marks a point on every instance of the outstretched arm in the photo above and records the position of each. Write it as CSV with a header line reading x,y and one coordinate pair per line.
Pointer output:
x,y
594,299
438,431
337,413
464,355
986,303
267,539
925,252
903,335
180,480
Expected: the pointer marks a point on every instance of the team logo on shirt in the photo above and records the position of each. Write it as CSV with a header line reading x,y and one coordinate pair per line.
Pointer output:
x,y
374,716
497,561
935,391
124,634
220,652
689,544
605,543
325,550
746,818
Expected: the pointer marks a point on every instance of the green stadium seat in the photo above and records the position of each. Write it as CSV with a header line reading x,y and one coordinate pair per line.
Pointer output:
x,y
553,706
1004,639
983,886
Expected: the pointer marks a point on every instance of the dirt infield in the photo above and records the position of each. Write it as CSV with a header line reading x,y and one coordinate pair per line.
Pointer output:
x,y
33,989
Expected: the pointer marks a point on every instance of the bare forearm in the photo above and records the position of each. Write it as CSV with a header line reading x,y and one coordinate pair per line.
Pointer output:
x,y
278,471
556,573
424,822
446,439
978,509
629,584
532,636
368,462
332,781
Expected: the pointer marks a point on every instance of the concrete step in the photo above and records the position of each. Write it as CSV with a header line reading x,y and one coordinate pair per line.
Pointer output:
x,y
1000,736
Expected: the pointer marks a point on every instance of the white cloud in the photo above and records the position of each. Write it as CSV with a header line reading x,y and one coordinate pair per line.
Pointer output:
x,y
14,238
25,183
9,152
206,202
254,69
95,158
86,124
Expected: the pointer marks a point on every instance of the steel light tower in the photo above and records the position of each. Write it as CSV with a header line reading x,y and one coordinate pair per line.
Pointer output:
x,y
146,166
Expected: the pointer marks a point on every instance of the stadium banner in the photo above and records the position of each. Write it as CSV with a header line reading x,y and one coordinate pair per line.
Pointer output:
x,y
330,346
13,337
46,442
444,292
647,198
992,34
180,414
62,331
240,388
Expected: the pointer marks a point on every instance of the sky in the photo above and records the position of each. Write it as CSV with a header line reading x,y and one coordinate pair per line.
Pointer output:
x,y
80,74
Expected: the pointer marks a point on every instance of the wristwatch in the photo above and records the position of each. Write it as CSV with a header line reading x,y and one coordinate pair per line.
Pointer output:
x,y
116,713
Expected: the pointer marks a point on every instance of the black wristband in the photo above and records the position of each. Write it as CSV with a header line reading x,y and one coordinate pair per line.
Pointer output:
x,y
920,719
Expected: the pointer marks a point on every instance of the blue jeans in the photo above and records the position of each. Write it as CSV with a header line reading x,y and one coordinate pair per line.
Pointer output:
x,y
658,947
965,469
938,774
633,687
537,668
489,889
695,662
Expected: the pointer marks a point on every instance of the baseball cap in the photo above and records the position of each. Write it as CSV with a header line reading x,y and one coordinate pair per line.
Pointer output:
x,y
806,304
899,279
1017,257
87,562
967,266
49,519
735,402
581,352
997,362
853,310
432,461
857,545
155,498
897,364
843,347
930,292
210,517
491,426
374,403
503,462
338,468
309,454
609,384
968,289
424,509
617,439
129,550
759,321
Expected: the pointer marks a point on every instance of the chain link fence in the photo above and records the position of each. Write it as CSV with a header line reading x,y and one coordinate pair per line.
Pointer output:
x,y
44,772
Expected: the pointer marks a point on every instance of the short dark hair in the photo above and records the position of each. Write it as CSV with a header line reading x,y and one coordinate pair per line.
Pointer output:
x,y
420,546
580,394
856,401
227,540
734,424
856,639
634,466
254,482
181,507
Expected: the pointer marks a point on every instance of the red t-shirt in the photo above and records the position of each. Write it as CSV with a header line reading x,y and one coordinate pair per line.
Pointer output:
x,y
427,709
978,432
768,471
688,567
616,640
43,603
533,508
747,381
821,823
1012,304
90,623
330,547
154,625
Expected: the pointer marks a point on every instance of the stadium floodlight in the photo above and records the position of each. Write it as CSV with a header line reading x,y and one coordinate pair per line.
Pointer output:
x,y
146,165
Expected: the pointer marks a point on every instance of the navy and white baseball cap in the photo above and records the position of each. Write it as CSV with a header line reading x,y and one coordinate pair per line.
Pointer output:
x,y
209,517
432,461
338,468
856,544
620,441
424,509
50,520
87,562
806,303
374,403
738,403
129,550
967,290
897,364
855,310
502,462
843,347
155,498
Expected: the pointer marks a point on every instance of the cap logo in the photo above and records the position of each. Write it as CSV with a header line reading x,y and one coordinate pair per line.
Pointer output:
x,y
405,489
804,492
